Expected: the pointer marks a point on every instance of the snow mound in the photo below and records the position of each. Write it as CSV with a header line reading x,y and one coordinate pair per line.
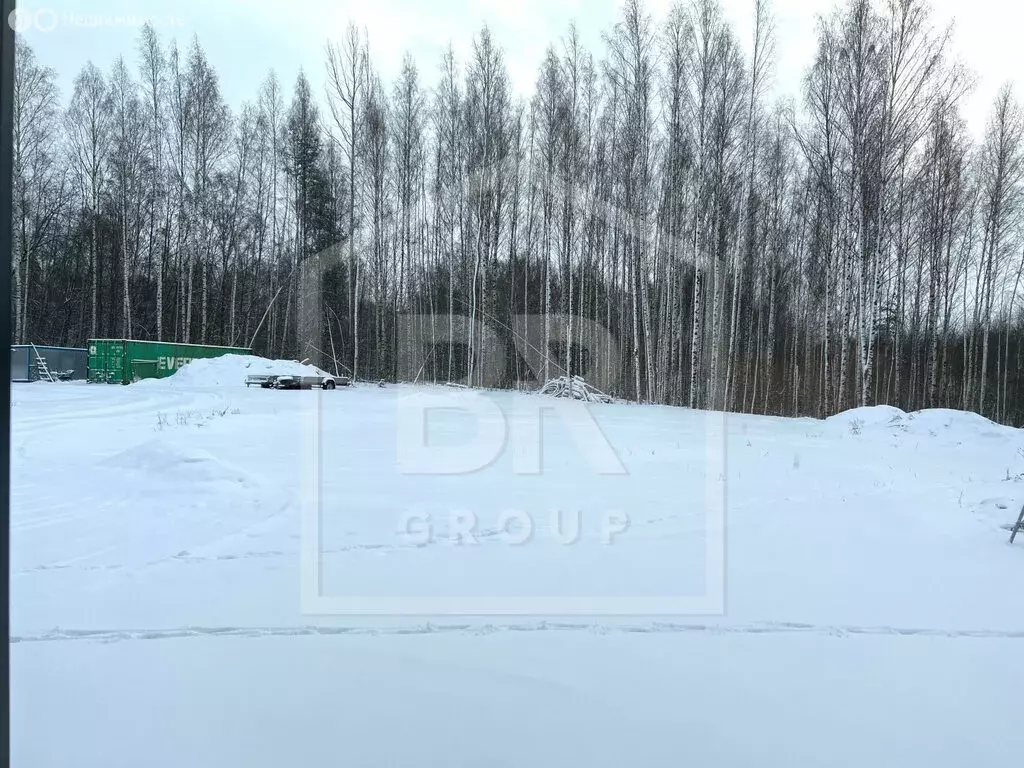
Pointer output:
x,y
931,422
936,419
231,370
172,464
872,417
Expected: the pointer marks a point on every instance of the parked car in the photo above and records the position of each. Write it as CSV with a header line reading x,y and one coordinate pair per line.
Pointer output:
x,y
294,381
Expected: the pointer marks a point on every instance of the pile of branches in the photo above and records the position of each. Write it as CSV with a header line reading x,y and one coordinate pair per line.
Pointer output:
x,y
574,388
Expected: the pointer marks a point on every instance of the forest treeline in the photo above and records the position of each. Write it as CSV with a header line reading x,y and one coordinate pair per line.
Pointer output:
x,y
852,245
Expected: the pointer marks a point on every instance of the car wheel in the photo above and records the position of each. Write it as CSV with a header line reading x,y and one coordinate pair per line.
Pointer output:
x,y
329,384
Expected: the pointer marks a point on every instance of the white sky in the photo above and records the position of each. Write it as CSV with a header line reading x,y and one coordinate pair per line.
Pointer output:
x,y
244,40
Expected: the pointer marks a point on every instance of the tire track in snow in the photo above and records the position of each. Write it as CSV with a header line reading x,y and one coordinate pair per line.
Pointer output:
x,y
188,558
136,406
760,628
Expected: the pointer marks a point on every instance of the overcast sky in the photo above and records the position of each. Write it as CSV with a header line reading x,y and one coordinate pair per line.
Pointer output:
x,y
244,40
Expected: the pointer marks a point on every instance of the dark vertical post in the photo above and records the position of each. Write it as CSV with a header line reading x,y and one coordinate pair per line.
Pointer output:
x,y
6,248
1018,527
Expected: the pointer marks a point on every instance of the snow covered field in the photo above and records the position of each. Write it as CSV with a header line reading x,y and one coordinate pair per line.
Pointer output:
x,y
873,610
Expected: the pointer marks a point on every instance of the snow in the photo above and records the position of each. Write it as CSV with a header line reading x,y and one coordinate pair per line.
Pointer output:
x,y
230,370
944,419
872,610
870,416
191,466
943,423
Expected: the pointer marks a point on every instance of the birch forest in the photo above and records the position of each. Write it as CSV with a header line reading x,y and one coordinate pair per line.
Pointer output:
x,y
853,243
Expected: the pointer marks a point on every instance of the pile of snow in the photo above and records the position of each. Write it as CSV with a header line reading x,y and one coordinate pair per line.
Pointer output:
x,y
870,417
928,422
231,370
173,464
574,388
941,419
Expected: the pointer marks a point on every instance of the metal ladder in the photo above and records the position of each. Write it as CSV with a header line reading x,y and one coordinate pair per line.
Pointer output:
x,y
1018,526
42,367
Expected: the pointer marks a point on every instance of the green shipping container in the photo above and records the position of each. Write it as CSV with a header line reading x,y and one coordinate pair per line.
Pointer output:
x,y
122,361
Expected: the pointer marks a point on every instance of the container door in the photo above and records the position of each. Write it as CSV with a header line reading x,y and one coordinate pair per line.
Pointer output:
x,y
106,362
119,363
97,362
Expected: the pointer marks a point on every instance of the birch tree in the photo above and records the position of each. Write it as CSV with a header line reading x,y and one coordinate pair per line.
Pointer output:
x,y
87,128
347,69
35,152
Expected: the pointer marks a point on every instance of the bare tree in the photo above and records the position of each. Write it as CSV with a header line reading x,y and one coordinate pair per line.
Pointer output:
x,y
153,70
87,125
1002,179
128,161
347,69
35,148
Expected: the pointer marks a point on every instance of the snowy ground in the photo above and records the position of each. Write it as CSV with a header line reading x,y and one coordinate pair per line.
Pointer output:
x,y
873,614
